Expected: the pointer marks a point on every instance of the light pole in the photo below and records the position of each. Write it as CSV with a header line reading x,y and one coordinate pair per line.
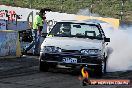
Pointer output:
x,y
62,1
122,9
91,6
30,2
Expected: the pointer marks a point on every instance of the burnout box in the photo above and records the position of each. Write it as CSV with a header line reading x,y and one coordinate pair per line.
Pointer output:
x,y
9,44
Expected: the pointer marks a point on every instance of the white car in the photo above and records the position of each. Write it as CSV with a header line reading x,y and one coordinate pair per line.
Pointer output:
x,y
75,44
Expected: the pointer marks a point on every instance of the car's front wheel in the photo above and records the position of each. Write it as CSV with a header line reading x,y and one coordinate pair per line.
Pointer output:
x,y
104,64
101,69
98,71
43,66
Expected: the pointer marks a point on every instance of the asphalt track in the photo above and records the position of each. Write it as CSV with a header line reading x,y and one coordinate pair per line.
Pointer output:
x,y
24,73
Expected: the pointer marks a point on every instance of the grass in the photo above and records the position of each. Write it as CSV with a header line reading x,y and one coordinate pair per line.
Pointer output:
x,y
108,8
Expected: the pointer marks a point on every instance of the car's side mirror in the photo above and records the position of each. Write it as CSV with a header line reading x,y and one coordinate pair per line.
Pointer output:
x,y
107,39
44,35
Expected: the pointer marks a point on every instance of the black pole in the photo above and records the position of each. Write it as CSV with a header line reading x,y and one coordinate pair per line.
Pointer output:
x,y
122,9
92,7
30,2
62,1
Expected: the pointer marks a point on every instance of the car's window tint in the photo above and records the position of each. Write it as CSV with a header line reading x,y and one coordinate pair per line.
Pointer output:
x,y
83,28
68,29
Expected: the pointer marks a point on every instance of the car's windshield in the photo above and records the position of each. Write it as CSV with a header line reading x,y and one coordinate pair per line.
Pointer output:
x,y
81,30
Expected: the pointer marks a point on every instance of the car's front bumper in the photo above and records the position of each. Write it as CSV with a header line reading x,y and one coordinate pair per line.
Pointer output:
x,y
82,60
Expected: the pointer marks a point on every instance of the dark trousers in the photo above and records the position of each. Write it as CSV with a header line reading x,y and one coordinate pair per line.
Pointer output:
x,y
35,43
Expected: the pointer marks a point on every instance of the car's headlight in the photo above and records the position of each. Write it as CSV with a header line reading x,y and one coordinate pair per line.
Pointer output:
x,y
91,51
51,49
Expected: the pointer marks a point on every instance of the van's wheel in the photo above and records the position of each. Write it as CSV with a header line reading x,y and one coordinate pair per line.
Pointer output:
x,y
43,66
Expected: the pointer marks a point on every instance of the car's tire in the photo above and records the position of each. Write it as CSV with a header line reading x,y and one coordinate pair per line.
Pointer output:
x,y
101,69
105,64
98,71
43,66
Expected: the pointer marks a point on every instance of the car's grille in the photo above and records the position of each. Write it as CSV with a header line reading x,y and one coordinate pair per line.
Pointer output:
x,y
90,60
80,59
70,51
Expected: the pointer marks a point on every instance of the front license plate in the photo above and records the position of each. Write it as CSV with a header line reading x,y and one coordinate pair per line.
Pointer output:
x,y
69,60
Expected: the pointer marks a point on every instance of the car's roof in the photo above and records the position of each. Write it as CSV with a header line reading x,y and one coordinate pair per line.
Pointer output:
x,y
84,21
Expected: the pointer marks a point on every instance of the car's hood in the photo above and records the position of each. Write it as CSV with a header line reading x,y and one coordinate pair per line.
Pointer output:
x,y
72,43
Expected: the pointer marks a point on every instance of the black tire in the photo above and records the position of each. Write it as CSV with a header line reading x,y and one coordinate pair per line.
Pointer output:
x,y
98,71
105,64
43,66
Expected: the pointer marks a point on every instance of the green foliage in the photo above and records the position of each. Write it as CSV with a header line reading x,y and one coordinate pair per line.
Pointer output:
x,y
108,8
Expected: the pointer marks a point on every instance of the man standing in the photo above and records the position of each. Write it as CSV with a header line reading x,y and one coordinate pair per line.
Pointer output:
x,y
36,32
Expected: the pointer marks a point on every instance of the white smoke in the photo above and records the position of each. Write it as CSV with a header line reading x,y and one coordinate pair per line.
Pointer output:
x,y
120,47
120,58
86,12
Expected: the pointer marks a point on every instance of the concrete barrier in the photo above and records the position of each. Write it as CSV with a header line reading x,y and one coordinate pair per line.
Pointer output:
x,y
9,44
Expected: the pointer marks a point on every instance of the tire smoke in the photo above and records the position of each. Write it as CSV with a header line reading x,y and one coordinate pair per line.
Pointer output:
x,y
120,49
120,46
86,12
